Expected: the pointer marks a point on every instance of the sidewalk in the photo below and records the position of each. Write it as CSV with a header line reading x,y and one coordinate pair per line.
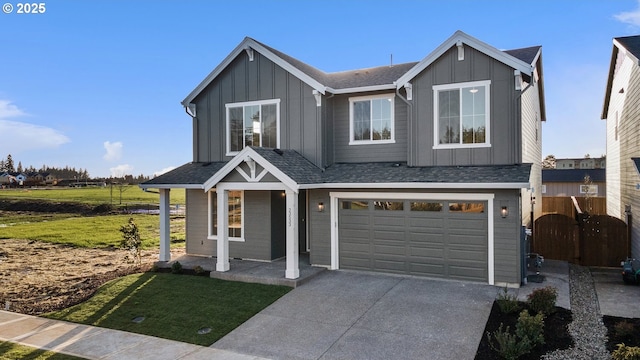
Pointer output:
x,y
98,343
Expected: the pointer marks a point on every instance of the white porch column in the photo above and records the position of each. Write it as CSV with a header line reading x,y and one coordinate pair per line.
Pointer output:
x,y
165,218
222,263
293,269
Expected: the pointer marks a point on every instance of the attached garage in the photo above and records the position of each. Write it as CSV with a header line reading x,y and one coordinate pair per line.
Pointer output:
x,y
439,235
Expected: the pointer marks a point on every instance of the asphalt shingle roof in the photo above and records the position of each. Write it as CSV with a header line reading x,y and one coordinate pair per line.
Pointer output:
x,y
527,54
572,175
631,43
302,171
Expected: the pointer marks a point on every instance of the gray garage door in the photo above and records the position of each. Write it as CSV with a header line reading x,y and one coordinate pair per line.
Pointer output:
x,y
418,237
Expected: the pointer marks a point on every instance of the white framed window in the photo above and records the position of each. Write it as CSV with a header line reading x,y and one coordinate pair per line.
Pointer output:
x,y
253,123
588,189
236,215
461,115
371,119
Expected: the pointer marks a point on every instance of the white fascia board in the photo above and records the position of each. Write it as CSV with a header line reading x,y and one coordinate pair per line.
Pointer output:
x,y
248,42
240,158
361,89
417,185
171,186
472,42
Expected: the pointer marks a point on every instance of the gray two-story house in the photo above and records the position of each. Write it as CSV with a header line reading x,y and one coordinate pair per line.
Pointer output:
x,y
427,168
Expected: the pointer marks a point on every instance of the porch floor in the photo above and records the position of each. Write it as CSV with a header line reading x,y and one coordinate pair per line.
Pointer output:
x,y
260,272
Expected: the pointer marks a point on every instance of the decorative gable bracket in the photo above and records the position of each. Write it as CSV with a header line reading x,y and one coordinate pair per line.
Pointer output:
x,y
409,89
318,97
249,51
460,50
518,79
191,109
251,177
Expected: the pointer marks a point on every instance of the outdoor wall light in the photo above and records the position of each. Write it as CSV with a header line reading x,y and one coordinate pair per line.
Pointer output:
x,y
504,212
320,207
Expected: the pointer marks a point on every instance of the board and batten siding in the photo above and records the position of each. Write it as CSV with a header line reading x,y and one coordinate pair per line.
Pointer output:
x,y
389,152
261,79
505,132
629,135
616,117
257,226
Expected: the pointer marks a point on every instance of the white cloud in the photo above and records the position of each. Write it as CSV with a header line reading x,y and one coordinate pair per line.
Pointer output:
x,y
121,170
8,110
114,151
18,136
165,170
629,17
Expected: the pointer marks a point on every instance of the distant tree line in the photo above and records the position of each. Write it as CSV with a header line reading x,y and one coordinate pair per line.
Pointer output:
x,y
66,173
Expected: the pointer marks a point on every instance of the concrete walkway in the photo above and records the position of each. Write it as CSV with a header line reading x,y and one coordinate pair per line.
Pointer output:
x,y
99,343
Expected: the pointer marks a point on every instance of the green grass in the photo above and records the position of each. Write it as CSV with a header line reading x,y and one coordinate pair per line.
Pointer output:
x,y
174,306
90,231
16,351
92,195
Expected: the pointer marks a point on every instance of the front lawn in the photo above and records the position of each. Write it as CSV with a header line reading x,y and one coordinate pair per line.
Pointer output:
x,y
10,350
175,307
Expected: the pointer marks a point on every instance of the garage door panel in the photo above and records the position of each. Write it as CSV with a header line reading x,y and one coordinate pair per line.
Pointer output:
x,y
429,243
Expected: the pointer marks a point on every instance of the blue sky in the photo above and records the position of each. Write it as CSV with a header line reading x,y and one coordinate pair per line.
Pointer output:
x,y
97,84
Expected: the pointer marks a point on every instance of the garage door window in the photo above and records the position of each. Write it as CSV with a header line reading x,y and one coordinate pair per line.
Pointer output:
x,y
355,205
388,205
466,207
425,206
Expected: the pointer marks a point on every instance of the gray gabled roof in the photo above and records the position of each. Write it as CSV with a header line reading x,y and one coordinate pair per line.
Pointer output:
x,y
190,175
376,78
306,175
573,175
632,46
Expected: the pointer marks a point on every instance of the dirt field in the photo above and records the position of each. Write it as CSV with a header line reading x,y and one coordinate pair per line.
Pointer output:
x,y
38,277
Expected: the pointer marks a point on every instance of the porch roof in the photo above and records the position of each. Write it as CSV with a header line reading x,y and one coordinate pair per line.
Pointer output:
x,y
304,174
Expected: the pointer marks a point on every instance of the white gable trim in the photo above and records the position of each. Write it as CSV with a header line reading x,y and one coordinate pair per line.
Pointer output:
x,y
460,37
242,156
243,47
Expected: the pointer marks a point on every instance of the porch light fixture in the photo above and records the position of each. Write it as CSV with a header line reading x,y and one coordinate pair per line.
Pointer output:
x,y
504,212
320,207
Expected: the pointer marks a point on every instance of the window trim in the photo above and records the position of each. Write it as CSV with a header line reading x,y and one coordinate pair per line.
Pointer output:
x,y
244,104
487,98
391,97
210,194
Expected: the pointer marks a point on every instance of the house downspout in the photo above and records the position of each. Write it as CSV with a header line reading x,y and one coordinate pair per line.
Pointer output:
x,y
410,160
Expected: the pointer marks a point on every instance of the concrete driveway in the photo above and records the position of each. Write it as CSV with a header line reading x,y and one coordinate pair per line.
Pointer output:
x,y
614,296
352,315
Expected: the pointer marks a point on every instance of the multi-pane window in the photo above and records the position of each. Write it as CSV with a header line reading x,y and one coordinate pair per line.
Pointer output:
x,y
235,214
461,114
253,124
371,119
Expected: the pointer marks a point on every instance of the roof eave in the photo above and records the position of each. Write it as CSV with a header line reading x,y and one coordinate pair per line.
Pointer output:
x,y
418,185
171,186
362,89
474,43
250,43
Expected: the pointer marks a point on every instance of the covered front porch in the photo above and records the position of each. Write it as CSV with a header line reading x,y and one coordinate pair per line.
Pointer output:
x,y
260,272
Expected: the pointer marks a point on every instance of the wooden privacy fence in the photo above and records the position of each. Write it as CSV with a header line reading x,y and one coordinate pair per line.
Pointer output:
x,y
593,240
564,205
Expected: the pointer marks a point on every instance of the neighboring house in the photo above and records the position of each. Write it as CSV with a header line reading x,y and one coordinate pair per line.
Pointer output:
x,y
424,168
622,112
588,163
572,182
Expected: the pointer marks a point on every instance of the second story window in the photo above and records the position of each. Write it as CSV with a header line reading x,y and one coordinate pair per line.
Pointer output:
x,y
255,123
461,115
371,119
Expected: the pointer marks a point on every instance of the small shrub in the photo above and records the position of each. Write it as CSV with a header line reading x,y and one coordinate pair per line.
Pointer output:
x,y
508,345
508,303
176,268
623,329
131,240
531,327
198,270
543,300
624,352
